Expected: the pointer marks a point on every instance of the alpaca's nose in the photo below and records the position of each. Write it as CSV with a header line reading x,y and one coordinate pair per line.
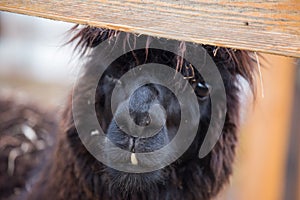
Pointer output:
x,y
140,123
141,116
141,119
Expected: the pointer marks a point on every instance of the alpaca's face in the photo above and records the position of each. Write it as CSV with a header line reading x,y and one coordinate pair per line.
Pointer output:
x,y
155,111
149,118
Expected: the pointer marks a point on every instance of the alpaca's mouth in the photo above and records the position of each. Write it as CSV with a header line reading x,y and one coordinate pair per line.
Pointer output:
x,y
133,162
132,154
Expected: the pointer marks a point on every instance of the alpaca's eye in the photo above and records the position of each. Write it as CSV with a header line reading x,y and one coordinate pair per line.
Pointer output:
x,y
111,79
202,90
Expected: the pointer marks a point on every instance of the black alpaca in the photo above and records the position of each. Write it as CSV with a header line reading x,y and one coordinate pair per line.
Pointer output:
x,y
73,173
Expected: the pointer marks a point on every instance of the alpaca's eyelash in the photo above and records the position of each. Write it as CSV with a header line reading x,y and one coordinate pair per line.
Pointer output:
x,y
189,72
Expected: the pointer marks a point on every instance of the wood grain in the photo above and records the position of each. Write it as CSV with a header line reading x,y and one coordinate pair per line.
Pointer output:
x,y
262,26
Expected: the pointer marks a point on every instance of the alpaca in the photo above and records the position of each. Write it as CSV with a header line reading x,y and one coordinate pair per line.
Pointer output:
x,y
72,172
26,137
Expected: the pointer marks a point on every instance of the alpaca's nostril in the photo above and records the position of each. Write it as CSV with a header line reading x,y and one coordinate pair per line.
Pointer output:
x,y
132,144
141,119
140,124
148,122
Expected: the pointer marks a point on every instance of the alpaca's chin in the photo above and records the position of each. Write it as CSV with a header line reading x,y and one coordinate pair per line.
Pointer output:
x,y
126,183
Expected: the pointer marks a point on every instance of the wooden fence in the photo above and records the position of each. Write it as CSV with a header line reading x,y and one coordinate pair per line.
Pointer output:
x,y
262,26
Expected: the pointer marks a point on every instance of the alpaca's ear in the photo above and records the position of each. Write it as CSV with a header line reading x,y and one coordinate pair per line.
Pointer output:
x,y
90,37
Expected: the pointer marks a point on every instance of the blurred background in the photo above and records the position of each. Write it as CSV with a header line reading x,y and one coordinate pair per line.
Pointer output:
x,y
34,59
36,66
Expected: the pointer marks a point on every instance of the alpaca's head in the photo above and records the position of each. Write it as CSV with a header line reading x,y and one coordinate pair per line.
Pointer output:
x,y
140,114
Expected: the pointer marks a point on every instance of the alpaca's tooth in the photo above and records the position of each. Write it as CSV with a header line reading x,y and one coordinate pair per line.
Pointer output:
x,y
95,132
134,161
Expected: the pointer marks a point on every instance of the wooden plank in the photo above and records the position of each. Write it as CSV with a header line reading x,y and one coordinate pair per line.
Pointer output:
x,y
262,26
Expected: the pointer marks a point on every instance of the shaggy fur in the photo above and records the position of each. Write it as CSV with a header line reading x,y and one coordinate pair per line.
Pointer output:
x,y
22,156
73,173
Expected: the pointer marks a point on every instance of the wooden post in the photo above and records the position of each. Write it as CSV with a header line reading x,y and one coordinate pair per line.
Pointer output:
x,y
292,171
260,169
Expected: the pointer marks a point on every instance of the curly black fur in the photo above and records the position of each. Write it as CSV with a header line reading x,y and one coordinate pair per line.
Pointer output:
x,y
73,173
22,156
